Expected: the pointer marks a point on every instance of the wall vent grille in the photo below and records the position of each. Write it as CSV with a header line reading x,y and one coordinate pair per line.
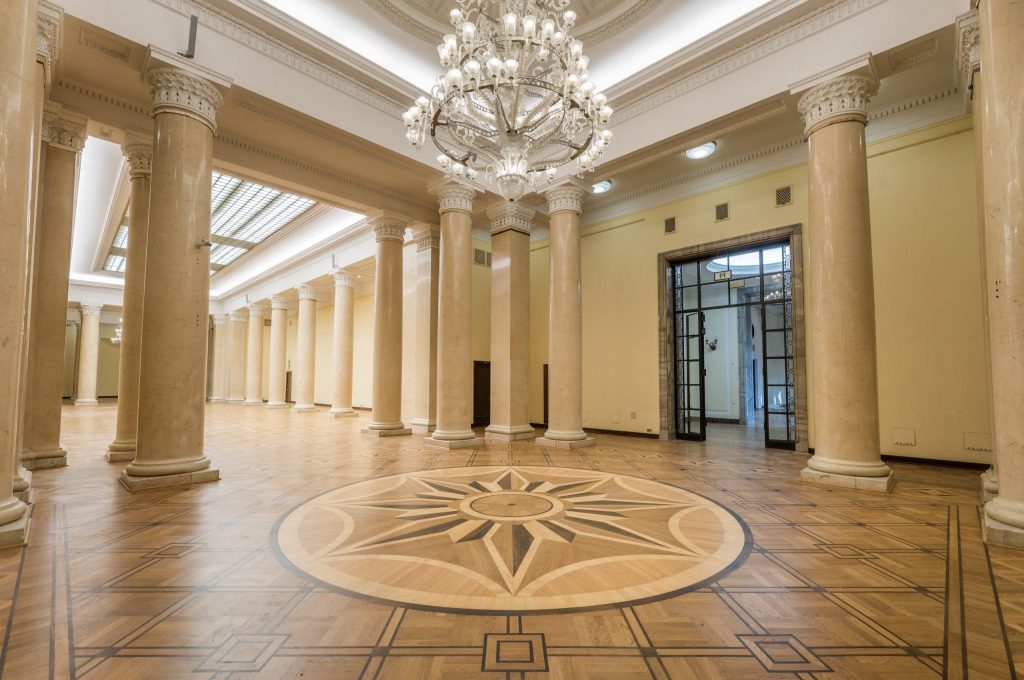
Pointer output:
x,y
783,196
721,212
481,257
670,225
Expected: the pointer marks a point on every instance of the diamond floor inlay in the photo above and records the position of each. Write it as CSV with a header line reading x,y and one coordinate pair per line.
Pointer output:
x,y
516,538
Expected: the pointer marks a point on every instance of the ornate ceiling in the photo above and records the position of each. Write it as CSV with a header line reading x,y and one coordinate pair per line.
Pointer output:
x,y
598,19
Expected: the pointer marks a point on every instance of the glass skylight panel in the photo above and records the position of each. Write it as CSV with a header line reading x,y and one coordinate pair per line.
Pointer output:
x,y
243,214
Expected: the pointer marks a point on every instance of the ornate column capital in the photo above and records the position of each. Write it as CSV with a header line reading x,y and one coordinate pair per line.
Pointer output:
x,y
565,198
91,310
48,21
388,227
426,236
968,40
343,278
841,99
455,197
257,310
511,217
279,302
138,150
306,292
238,317
64,129
219,320
175,90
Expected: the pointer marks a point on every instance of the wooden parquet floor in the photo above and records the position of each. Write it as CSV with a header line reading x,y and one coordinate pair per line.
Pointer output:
x,y
183,583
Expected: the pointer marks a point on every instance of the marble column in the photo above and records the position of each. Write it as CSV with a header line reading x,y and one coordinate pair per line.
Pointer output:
x,y
88,355
64,135
842,304
511,226
139,153
305,352
1002,53
277,381
386,419
969,45
565,348
236,357
172,378
344,326
455,321
428,241
254,356
18,147
220,331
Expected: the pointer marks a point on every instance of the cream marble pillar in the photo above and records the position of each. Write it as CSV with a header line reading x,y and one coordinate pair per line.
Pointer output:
x,y
511,226
969,45
139,153
344,326
842,303
64,135
1002,53
172,378
254,356
386,419
236,357
428,241
565,349
220,328
18,148
455,321
305,352
88,355
277,381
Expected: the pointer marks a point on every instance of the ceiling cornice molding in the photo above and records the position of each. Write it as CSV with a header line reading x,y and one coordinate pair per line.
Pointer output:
x,y
760,161
596,31
295,58
748,53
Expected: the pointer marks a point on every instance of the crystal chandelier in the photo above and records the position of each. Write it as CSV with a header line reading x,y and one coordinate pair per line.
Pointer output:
x,y
516,102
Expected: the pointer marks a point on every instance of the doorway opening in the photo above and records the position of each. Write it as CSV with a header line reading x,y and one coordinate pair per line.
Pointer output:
x,y
736,358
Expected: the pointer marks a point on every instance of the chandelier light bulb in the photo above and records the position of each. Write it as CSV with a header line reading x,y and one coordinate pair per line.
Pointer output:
x,y
514,102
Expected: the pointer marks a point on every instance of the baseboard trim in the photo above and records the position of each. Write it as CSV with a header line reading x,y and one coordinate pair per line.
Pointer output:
x,y
724,421
623,433
932,462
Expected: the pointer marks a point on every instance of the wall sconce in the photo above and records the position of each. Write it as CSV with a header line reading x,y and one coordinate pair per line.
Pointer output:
x,y
711,344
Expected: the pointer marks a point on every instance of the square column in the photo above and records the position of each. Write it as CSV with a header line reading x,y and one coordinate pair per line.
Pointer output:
x,y
511,226
428,241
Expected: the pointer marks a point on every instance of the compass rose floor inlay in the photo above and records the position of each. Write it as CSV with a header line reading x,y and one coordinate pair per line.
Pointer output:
x,y
511,539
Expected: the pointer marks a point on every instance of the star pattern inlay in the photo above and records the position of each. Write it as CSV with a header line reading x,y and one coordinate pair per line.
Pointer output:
x,y
504,538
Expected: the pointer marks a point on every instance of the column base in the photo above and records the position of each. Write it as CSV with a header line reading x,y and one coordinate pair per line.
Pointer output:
x,y
15,533
421,426
277,404
39,460
86,402
254,402
216,400
394,432
510,434
119,456
343,413
235,400
565,444
22,484
878,484
989,485
453,444
305,408
26,496
133,483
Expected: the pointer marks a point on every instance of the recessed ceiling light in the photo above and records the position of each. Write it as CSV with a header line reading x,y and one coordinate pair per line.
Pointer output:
x,y
701,152
603,187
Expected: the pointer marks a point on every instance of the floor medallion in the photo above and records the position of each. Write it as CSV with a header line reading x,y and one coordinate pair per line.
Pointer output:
x,y
511,539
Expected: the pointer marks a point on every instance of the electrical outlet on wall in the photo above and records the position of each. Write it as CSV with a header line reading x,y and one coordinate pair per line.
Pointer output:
x,y
632,415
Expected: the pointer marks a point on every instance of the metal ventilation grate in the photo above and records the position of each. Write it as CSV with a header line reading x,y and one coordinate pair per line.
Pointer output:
x,y
721,212
670,225
783,196
481,257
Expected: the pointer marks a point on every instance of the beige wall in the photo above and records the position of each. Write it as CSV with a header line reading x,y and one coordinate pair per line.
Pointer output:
x,y
924,228
108,363
362,352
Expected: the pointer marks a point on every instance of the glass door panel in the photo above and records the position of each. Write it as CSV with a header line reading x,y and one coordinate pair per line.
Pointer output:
x,y
690,421
779,375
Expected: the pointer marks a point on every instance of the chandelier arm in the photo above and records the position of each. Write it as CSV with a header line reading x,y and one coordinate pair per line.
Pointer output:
x,y
540,111
456,124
